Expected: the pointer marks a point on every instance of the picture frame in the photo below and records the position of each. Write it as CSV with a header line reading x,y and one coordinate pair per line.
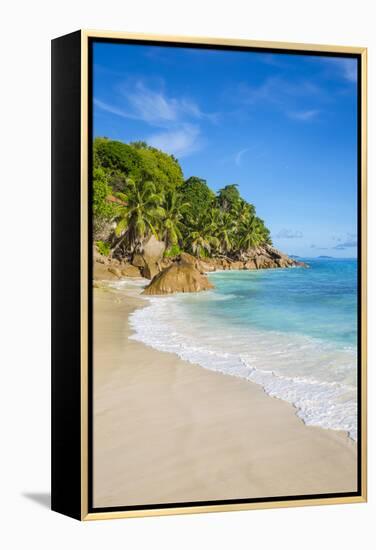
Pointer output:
x,y
73,345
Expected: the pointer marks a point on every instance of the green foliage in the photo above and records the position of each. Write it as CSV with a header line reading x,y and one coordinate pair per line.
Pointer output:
x,y
103,248
196,192
201,239
228,197
172,226
173,251
103,210
141,213
154,199
137,161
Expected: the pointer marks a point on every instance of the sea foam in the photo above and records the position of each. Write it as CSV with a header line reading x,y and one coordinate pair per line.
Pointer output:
x,y
314,376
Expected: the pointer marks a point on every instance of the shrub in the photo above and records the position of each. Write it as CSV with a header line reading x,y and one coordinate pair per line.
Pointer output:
x,y
173,251
103,248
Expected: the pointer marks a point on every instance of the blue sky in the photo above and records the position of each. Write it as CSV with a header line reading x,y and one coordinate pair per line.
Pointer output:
x,y
283,127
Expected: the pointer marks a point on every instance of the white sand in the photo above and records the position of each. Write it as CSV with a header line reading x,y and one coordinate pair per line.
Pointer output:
x,y
168,431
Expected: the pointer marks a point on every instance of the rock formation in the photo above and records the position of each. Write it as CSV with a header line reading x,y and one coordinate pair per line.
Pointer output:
x,y
179,277
148,259
111,269
185,273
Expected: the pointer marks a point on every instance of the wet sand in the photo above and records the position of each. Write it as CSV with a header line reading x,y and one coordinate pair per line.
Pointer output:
x,y
167,431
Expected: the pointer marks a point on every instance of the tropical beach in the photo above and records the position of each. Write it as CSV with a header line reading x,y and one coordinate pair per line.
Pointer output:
x,y
223,368
170,431
225,275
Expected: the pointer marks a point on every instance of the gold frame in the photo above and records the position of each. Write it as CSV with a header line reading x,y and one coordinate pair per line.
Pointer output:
x,y
85,35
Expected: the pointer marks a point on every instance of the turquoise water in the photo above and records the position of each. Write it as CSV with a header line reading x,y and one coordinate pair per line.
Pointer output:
x,y
293,331
320,301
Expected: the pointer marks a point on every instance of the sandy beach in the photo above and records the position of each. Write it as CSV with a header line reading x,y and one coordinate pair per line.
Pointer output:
x,y
168,431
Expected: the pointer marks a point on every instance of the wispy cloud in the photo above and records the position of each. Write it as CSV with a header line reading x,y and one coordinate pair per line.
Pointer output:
x,y
151,106
157,108
111,109
179,142
344,242
180,117
288,234
305,115
346,67
239,154
278,90
348,241
288,96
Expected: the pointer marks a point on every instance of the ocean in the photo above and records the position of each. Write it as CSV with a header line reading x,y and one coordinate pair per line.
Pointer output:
x,y
293,331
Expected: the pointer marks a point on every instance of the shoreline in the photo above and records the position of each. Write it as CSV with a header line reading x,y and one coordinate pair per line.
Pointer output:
x,y
166,430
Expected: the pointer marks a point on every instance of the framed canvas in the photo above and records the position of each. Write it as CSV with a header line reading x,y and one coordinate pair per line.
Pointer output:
x,y
208,275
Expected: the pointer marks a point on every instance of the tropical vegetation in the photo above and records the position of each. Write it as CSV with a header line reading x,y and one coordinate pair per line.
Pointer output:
x,y
139,190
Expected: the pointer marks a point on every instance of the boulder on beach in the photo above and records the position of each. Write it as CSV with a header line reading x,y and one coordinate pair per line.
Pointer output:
x,y
185,258
152,250
149,258
128,270
150,270
138,260
103,272
180,277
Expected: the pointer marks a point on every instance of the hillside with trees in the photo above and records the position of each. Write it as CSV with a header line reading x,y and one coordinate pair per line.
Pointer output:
x,y
139,191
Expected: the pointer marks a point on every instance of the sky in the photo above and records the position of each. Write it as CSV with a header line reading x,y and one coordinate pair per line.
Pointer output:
x,y
282,127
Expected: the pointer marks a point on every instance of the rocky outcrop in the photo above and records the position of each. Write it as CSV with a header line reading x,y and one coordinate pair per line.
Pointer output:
x,y
261,257
185,273
179,277
111,269
165,262
149,257
128,270
206,266
150,270
237,265
138,260
188,259
104,272
152,250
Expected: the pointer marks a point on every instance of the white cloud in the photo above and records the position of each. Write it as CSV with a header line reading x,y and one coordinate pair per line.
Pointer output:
x,y
151,106
288,96
278,90
154,107
111,109
347,241
288,234
239,154
305,115
347,67
179,117
179,142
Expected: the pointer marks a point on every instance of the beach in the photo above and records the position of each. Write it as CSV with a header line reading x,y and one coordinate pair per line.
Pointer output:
x,y
168,431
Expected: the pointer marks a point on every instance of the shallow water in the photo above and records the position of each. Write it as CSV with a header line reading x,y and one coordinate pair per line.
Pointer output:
x,y
294,331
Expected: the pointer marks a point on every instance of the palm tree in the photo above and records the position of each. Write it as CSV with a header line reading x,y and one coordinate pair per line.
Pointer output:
x,y
225,232
140,214
200,238
171,223
242,211
228,196
251,233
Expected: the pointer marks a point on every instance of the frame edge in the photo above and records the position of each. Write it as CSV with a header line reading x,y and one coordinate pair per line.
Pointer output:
x,y
87,34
